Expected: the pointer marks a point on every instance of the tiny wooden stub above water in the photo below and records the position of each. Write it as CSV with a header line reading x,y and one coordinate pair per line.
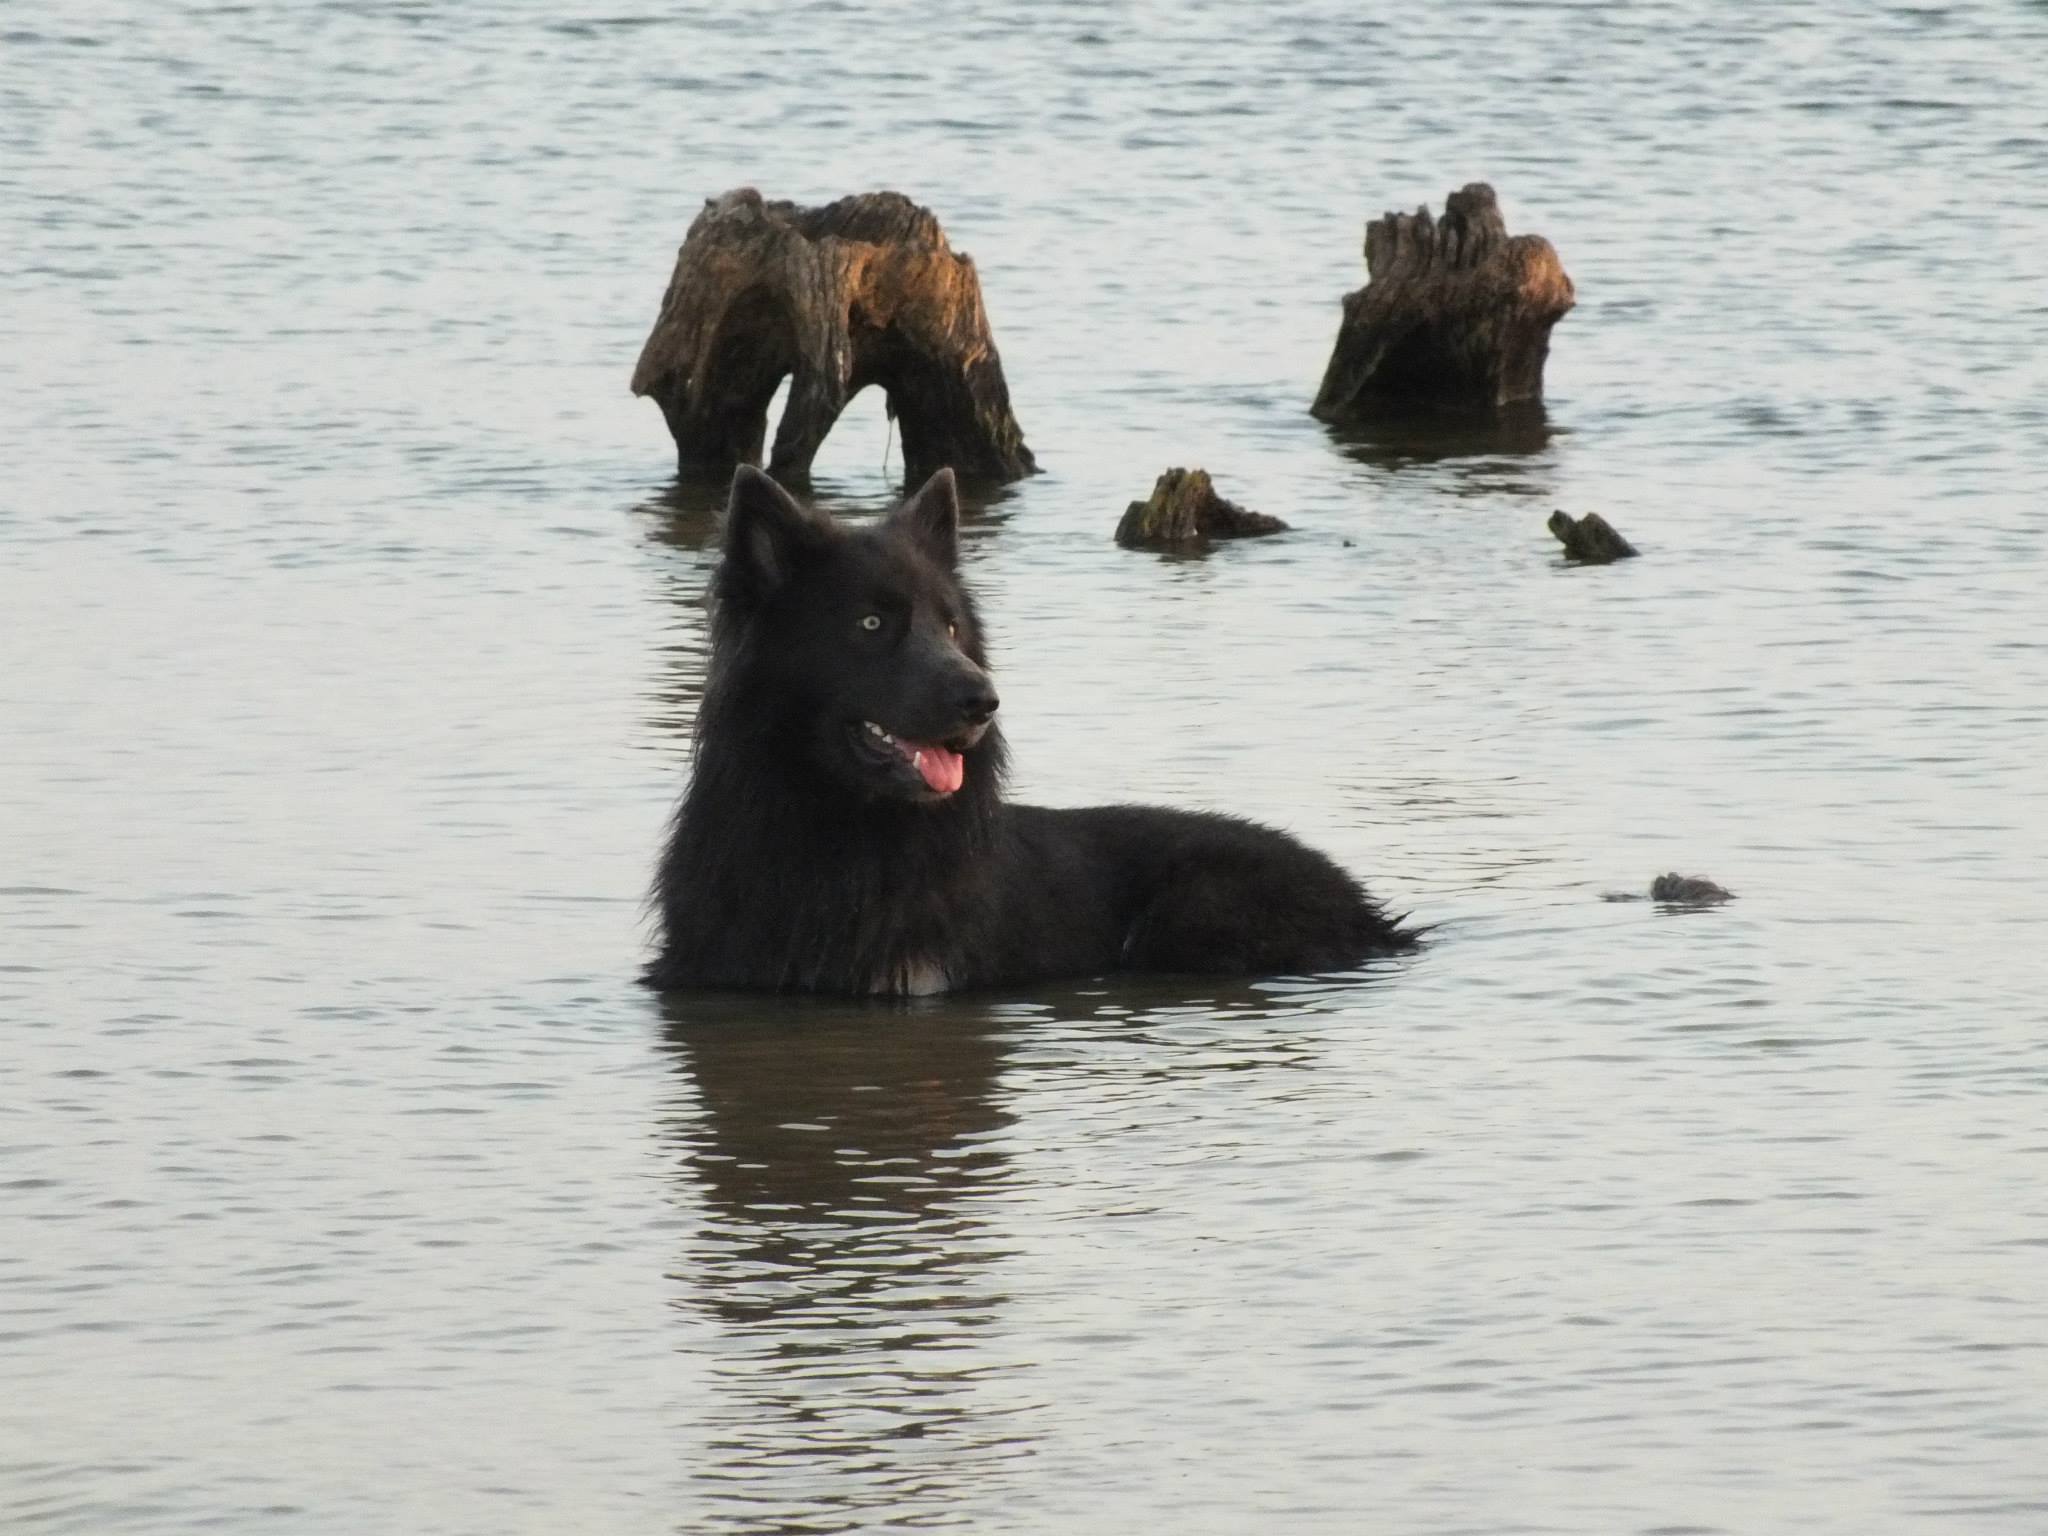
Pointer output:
x,y
1184,512
861,291
1591,539
1454,312
1688,891
1676,890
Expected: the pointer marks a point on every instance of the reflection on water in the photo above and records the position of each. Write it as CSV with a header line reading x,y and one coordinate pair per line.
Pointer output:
x,y
1503,453
686,511
1396,439
685,514
857,1246
843,1157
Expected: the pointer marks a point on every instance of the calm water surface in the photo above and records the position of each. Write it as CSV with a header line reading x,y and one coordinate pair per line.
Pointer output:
x,y
353,630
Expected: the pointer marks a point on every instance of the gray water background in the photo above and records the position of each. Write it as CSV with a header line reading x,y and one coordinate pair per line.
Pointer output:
x,y
352,632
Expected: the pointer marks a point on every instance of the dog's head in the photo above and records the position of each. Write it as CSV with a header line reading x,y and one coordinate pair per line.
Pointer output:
x,y
857,647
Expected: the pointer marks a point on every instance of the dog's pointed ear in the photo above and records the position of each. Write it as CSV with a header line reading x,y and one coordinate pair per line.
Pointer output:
x,y
931,518
767,530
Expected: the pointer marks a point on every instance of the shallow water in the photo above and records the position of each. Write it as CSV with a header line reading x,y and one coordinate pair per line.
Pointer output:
x,y
348,1183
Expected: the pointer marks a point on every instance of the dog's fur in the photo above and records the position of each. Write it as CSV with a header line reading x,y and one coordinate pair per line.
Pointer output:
x,y
812,854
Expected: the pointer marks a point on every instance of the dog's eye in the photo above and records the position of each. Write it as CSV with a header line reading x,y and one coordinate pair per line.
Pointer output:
x,y
871,622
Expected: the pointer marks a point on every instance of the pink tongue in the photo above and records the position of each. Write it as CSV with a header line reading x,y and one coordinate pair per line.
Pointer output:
x,y
943,771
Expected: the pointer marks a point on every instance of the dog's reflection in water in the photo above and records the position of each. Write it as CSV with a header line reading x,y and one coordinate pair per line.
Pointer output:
x,y
840,1155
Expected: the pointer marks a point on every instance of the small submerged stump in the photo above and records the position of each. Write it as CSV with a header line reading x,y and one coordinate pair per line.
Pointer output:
x,y
861,291
1591,538
1184,512
1454,312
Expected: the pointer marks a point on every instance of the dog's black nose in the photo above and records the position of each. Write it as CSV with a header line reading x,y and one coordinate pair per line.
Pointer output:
x,y
978,701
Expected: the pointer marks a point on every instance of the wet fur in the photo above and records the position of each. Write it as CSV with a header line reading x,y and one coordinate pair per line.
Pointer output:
x,y
785,871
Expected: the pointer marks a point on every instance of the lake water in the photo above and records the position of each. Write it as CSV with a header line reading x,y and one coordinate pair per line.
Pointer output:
x,y
348,1182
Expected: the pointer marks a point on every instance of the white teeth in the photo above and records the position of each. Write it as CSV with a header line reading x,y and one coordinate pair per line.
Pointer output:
x,y
877,732
917,761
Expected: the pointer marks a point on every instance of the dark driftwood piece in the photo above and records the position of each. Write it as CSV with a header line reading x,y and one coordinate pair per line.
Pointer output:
x,y
862,291
1453,312
1678,891
1590,538
1184,511
1688,890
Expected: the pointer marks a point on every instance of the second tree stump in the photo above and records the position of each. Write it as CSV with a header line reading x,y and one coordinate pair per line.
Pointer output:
x,y
1455,312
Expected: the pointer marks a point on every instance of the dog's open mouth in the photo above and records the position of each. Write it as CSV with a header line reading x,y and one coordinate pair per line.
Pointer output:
x,y
938,765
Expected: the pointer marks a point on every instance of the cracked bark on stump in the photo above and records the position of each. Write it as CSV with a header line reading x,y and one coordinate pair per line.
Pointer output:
x,y
1454,312
861,291
1184,511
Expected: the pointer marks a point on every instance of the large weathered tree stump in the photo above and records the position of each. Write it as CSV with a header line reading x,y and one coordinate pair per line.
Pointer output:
x,y
1454,312
862,291
1184,512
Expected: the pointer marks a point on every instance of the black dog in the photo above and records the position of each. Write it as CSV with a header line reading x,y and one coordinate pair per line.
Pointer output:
x,y
844,828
